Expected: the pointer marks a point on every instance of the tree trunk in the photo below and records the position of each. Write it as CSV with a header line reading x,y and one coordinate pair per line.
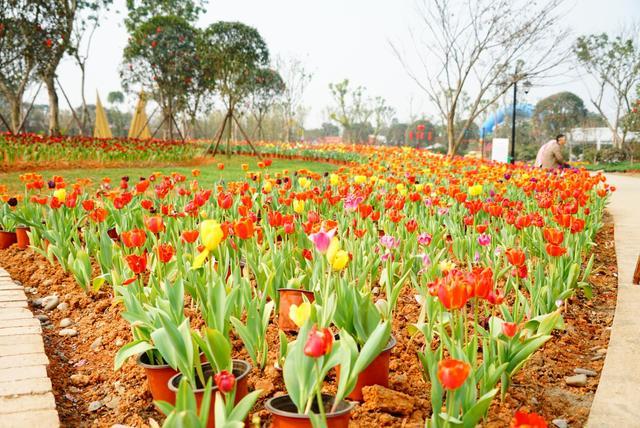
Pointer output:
x,y
16,114
451,139
54,121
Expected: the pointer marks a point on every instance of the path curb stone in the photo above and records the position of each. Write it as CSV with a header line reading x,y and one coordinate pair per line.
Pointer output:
x,y
26,397
617,399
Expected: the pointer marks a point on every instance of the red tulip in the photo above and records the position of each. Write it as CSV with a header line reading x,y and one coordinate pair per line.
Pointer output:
x,y
523,419
88,205
243,229
189,236
165,252
452,373
225,381
138,264
155,224
225,200
553,236
411,225
319,342
98,215
134,238
509,329
555,250
515,257
452,291
146,204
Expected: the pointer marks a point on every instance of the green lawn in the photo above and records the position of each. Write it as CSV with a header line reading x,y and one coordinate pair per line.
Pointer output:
x,y
209,174
614,167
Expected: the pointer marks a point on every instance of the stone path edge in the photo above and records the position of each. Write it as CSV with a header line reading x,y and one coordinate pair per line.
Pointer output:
x,y
26,397
617,399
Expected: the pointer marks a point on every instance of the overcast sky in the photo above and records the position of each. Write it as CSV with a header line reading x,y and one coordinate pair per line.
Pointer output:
x,y
337,39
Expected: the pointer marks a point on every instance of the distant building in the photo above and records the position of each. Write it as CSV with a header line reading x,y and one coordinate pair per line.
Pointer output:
x,y
597,136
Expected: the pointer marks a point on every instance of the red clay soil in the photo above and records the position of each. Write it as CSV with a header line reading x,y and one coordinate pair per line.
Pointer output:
x,y
539,387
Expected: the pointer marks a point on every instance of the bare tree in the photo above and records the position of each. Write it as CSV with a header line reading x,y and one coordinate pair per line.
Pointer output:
x,y
615,65
295,78
351,109
481,47
382,114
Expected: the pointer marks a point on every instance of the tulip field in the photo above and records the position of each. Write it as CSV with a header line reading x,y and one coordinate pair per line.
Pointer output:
x,y
294,294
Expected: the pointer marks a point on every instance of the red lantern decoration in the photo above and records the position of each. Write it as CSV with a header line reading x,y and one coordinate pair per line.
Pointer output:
x,y
410,135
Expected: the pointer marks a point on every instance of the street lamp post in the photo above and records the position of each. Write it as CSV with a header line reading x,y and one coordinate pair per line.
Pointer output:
x,y
527,86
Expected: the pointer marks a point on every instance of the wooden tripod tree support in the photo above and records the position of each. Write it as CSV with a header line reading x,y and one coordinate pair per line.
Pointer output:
x,y
636,274
26,115
73,112
6,124
228,118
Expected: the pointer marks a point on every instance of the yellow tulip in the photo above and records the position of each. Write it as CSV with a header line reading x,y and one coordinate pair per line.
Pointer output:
x,y
60,194
340,260
475,190
300,314
267,186
298,206
334,246
360,179
334,179
304,182
211,234
419,187
446,265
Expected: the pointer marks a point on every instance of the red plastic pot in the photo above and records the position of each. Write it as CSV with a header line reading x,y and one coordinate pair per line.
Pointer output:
x,y
7,239
376,373
158,377
240,370
22,237
288,297
284,413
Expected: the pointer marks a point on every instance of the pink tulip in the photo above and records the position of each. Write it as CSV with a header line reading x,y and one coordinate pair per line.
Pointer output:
x,y
322,239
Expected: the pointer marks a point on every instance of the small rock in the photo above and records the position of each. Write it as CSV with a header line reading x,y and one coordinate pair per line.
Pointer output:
x,y
37,302
119,342
382,399
117,385
68,332
585,372
18,282
597,357
121,426
560,423
601,351
65,322
112,402
399,378
534,401
79,379
266,386
63,306
95,405
50,302
95,346
31,290
375,290
42,318
576,380
47,282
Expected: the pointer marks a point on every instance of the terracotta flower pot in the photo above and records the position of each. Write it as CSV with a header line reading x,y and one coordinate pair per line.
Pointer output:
x,y
376,373
7,239
158,379
22,237
284,413
288,297
240,370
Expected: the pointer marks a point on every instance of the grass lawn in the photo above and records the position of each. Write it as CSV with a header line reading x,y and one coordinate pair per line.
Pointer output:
x,y
209,173
614,167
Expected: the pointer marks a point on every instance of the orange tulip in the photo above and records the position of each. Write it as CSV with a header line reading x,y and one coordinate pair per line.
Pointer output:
x,y
452,373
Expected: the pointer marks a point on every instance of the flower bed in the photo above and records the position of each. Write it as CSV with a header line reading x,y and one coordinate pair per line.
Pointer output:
x,y
470,265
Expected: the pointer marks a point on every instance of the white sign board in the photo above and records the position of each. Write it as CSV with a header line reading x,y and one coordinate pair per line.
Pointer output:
x,y
500,150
